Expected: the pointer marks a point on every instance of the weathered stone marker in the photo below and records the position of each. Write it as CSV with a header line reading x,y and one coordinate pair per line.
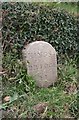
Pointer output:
x,y
41,62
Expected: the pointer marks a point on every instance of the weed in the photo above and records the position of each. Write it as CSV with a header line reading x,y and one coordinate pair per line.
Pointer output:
x,y
61,98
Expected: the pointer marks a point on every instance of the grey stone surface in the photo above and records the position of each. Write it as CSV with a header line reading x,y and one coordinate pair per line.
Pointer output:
x,y
40,60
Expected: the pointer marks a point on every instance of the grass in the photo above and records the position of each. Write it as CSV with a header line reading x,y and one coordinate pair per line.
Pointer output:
x,y
70,7
24,94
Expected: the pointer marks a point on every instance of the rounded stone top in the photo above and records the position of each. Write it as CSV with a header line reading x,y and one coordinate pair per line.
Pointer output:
x,y
40,45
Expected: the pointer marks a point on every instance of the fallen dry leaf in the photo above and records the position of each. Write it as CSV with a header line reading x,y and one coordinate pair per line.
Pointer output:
x,y
7,99
71,88
40,107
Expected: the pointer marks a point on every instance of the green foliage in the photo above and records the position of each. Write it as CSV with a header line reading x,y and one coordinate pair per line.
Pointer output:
x,y
61,98
25,22
17,74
